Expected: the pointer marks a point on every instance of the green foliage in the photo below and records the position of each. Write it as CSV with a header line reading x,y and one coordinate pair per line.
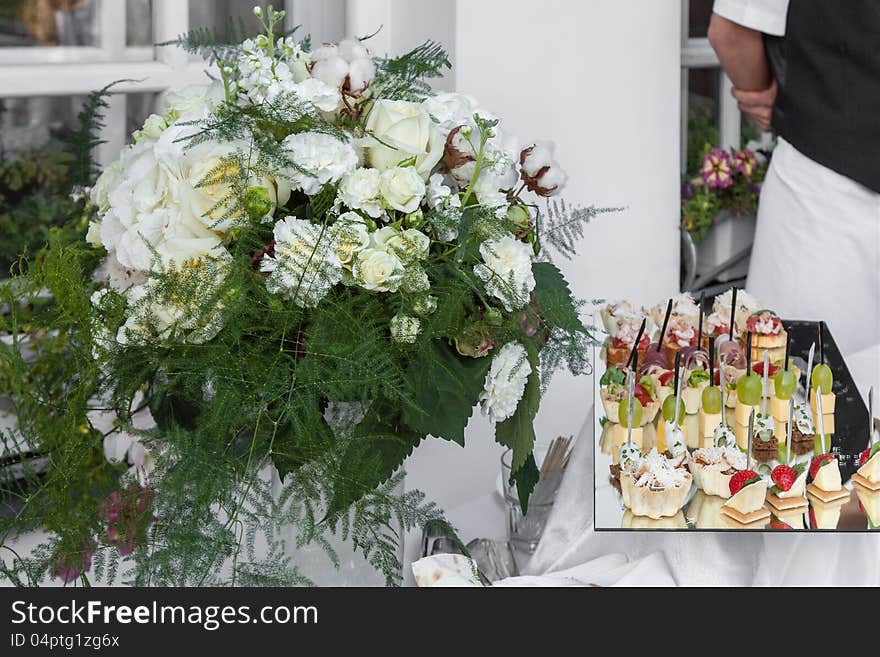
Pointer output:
x,y
404,77
445,387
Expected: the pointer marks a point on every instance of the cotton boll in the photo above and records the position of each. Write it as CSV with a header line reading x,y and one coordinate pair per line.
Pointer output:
x,y
360,74
554,180
332,71
536,157
326,51
351,49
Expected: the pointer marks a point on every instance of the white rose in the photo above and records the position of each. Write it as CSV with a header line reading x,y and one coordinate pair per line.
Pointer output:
x,y
378,270
402,188
359,190
405,328
325,158
402,130
507,272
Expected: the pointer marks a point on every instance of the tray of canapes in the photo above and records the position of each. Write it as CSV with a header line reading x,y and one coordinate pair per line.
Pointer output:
x,y
708,419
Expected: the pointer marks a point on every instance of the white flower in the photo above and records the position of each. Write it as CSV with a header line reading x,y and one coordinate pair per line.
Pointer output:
x,y
195,101
425,305
399,130
415,280
402,188
117,277
408,245
261,77
319,93
490,193
359,190
540,171
325,158
505,382
378,270
352,237
440,195
107,181
507,272
451,109
156,315
305,264
405,328
153,127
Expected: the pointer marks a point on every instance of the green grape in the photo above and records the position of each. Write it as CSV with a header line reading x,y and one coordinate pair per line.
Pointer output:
x,y
624,410
669,409
711,400
822,378
786,384
748,389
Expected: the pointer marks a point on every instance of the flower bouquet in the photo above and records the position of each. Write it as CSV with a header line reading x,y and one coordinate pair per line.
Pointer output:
x,y
727,180
311,264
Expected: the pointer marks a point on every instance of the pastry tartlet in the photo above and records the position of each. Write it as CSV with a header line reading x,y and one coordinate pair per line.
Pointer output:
x,y
767,335
655,485
713,468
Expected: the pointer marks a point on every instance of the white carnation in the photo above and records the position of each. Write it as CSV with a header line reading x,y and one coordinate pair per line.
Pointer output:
x,y
505,382
325,158
319,93
405,328
507,271
306,263
402,188
359,190
451,109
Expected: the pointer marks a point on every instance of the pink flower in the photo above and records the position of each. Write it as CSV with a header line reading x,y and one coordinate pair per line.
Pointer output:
x,y
69,566
128,516
745,162
717,171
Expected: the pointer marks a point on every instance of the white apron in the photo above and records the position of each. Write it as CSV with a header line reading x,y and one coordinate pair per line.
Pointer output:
x,y
817,249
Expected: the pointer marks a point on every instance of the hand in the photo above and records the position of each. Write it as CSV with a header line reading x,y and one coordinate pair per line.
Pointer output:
x,y
757,105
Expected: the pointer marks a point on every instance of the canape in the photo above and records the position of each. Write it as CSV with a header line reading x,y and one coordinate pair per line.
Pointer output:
x,y
768,335
713,468
747,495
826,485
619,345
868,474
765,446
655,485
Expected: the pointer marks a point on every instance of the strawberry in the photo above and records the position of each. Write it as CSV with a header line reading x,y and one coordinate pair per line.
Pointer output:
x,y
742,479
863,458
818,462
666,377
776,523
784,477
813,523
642,394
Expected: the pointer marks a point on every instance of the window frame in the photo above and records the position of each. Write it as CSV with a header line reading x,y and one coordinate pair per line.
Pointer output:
x,y
696,52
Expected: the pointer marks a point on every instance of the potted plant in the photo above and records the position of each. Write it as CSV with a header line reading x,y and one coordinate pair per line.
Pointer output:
x,y
719,205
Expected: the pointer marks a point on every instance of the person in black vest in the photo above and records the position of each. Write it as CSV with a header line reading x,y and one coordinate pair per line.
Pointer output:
x,y
817,246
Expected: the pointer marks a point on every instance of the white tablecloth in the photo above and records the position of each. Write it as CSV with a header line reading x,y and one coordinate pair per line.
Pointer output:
x,y
571,544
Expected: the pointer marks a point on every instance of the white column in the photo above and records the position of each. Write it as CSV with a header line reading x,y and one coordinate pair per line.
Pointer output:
x,y
323,19
602,79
